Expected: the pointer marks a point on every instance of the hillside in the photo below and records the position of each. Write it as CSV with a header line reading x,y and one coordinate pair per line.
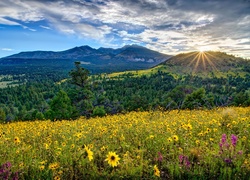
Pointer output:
x,y
210,63
207,63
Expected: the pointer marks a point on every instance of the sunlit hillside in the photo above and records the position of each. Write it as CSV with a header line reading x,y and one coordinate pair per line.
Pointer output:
x,y
208,63
138,145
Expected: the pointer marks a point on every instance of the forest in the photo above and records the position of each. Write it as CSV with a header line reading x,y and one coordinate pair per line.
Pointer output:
x,y
69,95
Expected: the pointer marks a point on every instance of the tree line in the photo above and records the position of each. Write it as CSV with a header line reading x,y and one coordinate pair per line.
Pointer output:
x,y
85,95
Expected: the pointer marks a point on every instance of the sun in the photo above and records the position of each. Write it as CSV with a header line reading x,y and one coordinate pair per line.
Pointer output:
x,y
203,49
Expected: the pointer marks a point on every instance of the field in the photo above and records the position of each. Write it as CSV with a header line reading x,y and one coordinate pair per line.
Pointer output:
x,y
7,80
198,144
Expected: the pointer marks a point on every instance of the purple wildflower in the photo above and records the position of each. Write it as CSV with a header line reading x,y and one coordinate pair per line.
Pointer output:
x,y
15,176
234,140
184,161
187,163
228,160
221,147
240,152
223,138
181,158
160,158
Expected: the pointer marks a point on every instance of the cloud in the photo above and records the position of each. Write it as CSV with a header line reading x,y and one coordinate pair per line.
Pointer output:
x,y
8,22
6,49
170,26
45,27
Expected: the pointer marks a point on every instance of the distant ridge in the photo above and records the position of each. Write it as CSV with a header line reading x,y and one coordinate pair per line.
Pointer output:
x,y
132,53
129,57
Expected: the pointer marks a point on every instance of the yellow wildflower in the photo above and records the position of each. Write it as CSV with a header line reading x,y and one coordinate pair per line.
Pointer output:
x,y
113,159
89,153
156,171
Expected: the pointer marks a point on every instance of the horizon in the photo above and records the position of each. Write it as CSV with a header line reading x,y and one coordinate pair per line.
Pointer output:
x,y
196,51
169,27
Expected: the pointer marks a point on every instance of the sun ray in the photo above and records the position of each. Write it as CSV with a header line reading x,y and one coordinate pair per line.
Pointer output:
x,y
210,62
203,60
211,55
197,62
191,62
191,54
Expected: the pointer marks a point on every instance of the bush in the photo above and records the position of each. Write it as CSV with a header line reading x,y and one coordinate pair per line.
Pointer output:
x,y
99,111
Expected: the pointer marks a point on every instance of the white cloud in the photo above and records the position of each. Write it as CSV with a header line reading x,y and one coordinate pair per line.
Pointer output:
x,y
6,49
8,22
45,27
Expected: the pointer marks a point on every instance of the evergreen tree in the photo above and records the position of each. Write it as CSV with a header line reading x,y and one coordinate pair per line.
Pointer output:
x,y
60,107
79,76
2,115
81,96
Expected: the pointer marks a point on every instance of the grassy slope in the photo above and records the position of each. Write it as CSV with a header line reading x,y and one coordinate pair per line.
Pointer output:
x,y
209,64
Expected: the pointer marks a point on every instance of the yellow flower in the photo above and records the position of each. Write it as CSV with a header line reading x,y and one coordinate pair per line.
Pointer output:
x,y
53,166
60,172
17,140
169,140
79,135
175,137
89,152
244,138
72,146
200,134
113,159
103,148
46,146
57,178
197,142
41,167
21,165
189,127
122,138
43,162
156,171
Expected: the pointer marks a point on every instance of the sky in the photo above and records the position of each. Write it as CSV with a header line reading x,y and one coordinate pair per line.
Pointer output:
x,y
167,26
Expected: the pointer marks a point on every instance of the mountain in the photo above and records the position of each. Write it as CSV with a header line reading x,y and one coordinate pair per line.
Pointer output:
x,y
74,53
133,53
130,57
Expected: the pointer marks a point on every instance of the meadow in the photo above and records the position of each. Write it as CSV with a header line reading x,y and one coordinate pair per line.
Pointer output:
x,y
198,144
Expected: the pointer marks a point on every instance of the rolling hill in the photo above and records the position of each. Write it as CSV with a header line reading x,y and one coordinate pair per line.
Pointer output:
x,y
208,63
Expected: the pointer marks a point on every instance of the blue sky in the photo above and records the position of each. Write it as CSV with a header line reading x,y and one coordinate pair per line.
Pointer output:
x,y
168,26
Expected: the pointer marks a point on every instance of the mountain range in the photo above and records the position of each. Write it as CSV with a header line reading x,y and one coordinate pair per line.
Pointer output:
x,y
129,57
128,53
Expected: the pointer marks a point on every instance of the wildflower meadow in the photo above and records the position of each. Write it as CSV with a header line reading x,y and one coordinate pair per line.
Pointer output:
x,y
197,144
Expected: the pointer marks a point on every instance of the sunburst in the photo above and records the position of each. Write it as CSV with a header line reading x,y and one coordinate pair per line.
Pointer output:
x,y
203,60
